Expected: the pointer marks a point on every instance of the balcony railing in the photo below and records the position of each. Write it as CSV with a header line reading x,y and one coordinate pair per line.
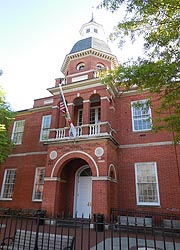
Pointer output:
x,y
84,131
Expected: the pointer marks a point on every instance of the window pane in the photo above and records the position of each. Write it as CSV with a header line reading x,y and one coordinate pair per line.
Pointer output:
x,y
18,131
80,117
8,183
39,184
141,116
46,124
146,183
95,115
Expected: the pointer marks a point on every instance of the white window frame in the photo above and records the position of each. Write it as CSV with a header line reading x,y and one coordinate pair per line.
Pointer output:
x,y
9,182
97,116
100,66
17,132
80,66
143,165
146,117
80,117
38,184
45,130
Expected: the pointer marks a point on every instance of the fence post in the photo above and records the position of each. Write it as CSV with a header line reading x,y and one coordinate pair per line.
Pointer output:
x,y
37,232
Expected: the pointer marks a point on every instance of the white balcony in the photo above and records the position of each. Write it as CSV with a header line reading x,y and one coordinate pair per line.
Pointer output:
x,y
86,131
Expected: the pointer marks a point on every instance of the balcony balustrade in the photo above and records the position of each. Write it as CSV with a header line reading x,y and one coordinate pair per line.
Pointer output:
x,y
84,131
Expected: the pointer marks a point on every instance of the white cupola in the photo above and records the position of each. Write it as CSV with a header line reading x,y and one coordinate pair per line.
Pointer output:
x,y
92,29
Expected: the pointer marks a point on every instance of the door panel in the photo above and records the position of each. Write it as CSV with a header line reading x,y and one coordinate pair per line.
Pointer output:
x,y
83,196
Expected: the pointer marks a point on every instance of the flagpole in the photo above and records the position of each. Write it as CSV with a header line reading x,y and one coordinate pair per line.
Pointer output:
x,y
62,94
72,131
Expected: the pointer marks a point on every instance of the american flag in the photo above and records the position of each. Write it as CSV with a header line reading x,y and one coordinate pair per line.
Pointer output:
x,y
62,105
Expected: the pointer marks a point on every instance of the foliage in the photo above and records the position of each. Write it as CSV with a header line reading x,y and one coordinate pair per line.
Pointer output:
x,y
6,116
158,70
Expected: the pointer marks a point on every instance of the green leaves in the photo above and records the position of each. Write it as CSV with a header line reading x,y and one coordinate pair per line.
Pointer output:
x,y
6,117
158,70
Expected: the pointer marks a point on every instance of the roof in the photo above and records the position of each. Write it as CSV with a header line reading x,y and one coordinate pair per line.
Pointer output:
x,y
90,42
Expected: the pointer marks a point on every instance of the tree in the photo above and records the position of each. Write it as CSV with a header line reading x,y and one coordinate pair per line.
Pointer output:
x,y
6,116
158,70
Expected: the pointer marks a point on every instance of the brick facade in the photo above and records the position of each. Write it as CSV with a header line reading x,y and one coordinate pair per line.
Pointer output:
x,y
110,148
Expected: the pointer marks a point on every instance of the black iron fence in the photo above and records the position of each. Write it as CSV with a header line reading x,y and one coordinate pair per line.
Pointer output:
x,y
128,230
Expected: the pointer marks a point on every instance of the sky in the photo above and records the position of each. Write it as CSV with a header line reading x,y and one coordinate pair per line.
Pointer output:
x,y
35,37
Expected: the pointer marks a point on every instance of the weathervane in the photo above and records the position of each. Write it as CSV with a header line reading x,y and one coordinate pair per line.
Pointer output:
x,y
92,19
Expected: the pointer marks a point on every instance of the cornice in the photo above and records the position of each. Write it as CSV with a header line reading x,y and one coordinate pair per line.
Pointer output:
x,y
33,110
77,86
88,52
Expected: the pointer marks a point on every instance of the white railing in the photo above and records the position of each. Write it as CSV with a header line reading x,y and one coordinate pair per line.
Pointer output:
x,y
86,130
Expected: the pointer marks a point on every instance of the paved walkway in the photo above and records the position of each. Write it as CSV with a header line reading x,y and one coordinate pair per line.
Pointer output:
x,y
122,244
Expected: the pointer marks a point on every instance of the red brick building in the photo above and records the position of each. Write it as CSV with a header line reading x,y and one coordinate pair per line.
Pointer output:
x,y
114,161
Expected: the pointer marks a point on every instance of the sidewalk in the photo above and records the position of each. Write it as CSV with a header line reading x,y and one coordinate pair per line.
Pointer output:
x,y
124,244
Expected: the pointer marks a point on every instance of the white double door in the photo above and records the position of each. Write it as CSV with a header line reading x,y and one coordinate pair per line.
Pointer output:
x,y
83,196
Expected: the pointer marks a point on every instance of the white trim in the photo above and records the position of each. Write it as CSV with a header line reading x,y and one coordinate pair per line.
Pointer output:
x,y
80,73
42,126
21,132
109,169
149,144
132,117
79,78
55,107
84,101
79,88
75,152
52,179
78,117
70,104
105,98
75,187
101,178
35,179
3,183
157,185
77,174
29,153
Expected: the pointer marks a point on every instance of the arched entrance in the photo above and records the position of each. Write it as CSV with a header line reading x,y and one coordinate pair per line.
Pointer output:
x,y
83,192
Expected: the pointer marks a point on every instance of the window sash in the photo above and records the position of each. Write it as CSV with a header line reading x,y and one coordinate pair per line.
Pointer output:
x,y
18,130
38,184
80,117
8,184
147,190
141,117
95,115
46,124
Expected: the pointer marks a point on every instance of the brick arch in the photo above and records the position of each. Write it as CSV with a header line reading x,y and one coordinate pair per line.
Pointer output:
x,y
112,169
74,154
78,101
95,98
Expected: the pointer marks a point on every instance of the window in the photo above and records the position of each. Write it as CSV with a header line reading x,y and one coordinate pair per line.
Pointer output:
x,y
100,66
46,123
38,184
18,130
95,115
88,30
80,66
80,117
95,30
8,184
141,115
147,191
